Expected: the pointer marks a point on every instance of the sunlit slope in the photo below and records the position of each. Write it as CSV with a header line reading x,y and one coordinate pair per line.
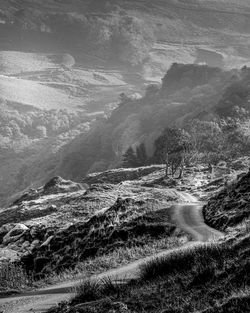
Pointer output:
x,y
16,62
175,19
35,94
52,81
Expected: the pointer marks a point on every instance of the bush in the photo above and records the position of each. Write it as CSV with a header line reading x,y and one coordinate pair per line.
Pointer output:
x,y
89,290
92,290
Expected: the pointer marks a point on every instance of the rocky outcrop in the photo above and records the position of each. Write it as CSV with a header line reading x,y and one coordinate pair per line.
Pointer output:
x,y
41,202
15,234
8,255
54,186
119,175
59,185
21,238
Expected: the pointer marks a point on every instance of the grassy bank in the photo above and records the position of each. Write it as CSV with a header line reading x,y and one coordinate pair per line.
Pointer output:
x,y
207,278
13,277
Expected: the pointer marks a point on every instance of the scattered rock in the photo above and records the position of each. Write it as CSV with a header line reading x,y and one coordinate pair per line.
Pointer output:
x,y
15,234
8,255
46,242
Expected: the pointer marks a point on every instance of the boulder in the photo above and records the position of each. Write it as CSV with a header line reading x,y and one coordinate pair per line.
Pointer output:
x,y
8,255
25,245
60,185
47,241
15,234
34,244
4,230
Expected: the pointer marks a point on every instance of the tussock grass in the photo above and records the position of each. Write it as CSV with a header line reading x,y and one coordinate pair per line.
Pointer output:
x,y
92,290
86,291
13,277
119,257
200,257
204,278
199,261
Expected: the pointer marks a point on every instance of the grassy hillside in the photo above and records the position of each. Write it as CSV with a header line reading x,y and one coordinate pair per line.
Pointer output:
x,y
206,278
83,54
46,101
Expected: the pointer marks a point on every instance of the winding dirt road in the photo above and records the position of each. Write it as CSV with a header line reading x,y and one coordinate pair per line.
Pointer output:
x,y
187,216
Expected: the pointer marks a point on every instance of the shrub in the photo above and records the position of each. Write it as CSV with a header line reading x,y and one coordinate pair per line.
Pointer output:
x,y
88,290
92,290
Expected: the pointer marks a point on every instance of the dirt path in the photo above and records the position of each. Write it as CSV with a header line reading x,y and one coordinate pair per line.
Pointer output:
x,y
188,217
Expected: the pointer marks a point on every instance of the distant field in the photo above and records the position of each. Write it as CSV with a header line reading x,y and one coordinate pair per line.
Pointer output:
x,y
45,81
15,62
36,95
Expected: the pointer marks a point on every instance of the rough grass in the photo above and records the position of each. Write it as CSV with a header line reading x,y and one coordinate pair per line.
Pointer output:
x,y
201,257
119,257
92,290
207,278
13,278
127,224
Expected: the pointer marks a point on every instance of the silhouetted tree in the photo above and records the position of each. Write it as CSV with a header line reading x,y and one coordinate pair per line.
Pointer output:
x,y
129,158
141,155
172,148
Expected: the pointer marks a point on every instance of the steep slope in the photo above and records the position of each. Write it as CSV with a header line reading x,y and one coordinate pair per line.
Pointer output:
x,y
230,208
